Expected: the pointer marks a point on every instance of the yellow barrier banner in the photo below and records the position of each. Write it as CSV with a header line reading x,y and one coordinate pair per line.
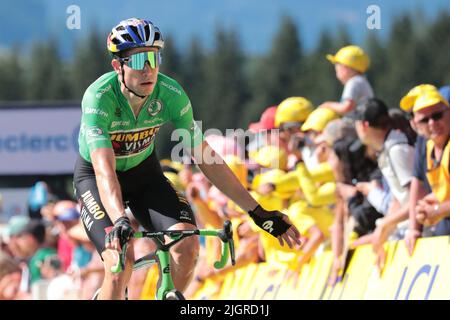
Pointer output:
x,y
421,276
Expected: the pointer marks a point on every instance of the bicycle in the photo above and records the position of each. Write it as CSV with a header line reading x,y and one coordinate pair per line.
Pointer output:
x,y
167,290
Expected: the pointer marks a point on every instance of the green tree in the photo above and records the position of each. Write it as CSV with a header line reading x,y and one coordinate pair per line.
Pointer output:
x,y
47,75
436,45
91,60
225,91
12,84
378,61
276,74
342,37
171,60
318,79
402,64
193,74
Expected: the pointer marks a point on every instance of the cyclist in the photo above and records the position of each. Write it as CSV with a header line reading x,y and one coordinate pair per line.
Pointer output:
x,y
122,112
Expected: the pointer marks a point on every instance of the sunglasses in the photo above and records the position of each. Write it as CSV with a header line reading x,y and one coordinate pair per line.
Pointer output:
x,y
137,61
435,116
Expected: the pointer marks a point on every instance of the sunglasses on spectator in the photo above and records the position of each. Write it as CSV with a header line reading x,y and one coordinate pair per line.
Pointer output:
x,y
137,61
435,116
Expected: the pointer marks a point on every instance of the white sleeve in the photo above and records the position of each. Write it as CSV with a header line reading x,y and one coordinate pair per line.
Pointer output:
x,y
352,91
401,157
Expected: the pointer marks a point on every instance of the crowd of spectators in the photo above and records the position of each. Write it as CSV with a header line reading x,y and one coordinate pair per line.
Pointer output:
x,y
346,173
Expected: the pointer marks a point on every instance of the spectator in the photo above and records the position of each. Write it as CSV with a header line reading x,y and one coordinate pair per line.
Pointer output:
x,y
431,110
289,118
419,184
351,163
395,160
212,215
65,215
38,197
266,122
87,265
350,62
26,242
264,133
10,277
316,181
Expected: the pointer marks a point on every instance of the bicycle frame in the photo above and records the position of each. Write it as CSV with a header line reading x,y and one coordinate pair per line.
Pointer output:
x,y
162,254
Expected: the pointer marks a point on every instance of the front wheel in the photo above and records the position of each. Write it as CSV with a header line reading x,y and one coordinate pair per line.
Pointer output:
x,y
174,295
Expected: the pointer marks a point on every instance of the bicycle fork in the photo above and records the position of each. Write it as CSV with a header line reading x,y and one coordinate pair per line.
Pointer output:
x,y
165,283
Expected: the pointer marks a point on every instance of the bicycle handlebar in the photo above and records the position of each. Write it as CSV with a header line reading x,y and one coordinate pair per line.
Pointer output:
x,y
225,235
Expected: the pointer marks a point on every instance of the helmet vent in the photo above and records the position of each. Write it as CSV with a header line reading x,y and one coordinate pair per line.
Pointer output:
x,y
127,37
136,32
147,31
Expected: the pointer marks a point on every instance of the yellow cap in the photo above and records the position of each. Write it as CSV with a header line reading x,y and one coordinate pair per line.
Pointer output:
x,y
318,119
407,102
238,167
293,109
428,99
351,56
270,157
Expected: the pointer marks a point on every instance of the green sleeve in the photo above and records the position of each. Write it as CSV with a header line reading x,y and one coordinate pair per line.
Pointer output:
x,y
182,117
95,121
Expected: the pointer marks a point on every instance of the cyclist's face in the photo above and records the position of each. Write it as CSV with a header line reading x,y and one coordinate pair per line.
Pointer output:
x,y
141,81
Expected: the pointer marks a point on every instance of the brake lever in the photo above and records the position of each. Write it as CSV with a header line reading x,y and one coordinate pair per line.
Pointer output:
x,y
228,230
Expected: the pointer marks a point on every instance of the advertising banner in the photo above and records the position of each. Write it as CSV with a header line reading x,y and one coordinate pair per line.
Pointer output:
x,y
38,141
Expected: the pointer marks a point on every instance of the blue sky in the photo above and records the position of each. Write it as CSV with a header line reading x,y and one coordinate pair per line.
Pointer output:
x,y
256,21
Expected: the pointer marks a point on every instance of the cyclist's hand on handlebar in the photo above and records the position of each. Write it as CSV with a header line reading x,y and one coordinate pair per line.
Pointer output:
x,y
277,224
120,234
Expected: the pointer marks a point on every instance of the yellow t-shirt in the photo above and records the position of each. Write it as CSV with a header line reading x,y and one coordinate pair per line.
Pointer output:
x,y
323,216
438,176
273,176
316,193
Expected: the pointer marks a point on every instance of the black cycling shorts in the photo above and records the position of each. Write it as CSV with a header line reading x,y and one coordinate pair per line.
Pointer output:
x,y
150,196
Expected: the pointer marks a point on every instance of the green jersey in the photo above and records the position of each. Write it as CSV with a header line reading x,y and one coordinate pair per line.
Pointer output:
x,y
109,122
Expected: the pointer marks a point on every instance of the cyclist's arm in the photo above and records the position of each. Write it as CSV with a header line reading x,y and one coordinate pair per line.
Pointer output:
x,y
104,164
222,177
216,171
95,121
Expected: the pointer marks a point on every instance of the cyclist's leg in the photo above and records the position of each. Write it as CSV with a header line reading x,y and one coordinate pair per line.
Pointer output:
x,y
184,258
184,254
157,206
96,223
